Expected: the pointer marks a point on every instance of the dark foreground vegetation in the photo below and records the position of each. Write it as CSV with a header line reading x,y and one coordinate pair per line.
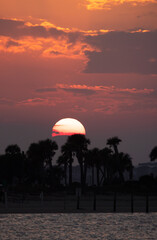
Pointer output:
x,y
33,171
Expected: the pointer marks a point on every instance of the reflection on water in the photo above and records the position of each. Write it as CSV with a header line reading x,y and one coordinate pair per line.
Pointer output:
x,y
78,226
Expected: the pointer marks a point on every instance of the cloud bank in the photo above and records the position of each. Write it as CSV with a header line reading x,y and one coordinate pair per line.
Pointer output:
x,y
103,51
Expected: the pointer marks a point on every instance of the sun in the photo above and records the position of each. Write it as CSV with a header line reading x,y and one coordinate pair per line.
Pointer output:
x,y
68,126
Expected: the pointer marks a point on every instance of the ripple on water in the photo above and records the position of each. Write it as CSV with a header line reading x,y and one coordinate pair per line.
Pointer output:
x,y
84,226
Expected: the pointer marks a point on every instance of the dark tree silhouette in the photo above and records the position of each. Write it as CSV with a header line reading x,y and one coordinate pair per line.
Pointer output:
x,y
4,173
47,150
124,164
100,160
79,145
40,158
106,157
97,162
153,154
91,158
62,160
114,142
35,162
54,176
36,166
12,150
15,162
66,159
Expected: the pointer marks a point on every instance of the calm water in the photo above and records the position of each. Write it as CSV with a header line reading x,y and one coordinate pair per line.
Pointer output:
x,y
78,226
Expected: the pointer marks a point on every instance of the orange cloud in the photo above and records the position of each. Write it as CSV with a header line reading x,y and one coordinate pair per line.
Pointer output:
x,y
48,47
106,89
62,48
108,4
95,48
45,38
36,101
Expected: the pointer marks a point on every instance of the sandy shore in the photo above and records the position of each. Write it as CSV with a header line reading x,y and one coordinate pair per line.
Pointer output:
x,y
86,204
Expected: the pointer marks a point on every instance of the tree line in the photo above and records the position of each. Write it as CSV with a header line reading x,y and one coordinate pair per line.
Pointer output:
x,y
35,166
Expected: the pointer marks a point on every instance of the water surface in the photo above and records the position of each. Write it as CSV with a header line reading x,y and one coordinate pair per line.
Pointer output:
x,y
78,226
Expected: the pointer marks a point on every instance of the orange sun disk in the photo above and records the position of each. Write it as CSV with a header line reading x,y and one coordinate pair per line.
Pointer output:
x,y
68,126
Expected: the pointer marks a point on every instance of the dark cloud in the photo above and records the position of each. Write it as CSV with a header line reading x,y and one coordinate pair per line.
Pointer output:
x,y
17,29
12,43
10,27
123,52
55,52
34,31
73,37
120,52
56,32
80,91
43,90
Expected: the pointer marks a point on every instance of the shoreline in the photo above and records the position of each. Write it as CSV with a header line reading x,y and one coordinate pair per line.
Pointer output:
x,y
83,204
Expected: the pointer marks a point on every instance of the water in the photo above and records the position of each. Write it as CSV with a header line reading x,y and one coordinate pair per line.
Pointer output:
x,y
78,226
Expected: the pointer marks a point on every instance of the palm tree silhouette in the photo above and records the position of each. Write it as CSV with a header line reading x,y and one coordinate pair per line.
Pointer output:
x,y
114,142
106,157
97,162
67,159
62,160
79,145
13,149
125,163
153,154
47,150
40,156
35,162
121,161
92,159
15,162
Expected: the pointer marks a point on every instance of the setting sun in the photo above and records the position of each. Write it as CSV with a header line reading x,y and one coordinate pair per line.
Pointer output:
x,y
68,126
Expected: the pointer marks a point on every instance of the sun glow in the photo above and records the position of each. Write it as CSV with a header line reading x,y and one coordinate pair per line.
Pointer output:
x,y
68,126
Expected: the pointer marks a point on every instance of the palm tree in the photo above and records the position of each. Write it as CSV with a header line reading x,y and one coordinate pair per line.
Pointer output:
x,y
153,154
15,162
79,145
114,142
13,149
35,162
47,150
67,159
4,170
97,162
124,164
40,156
91,158
62,160
106,157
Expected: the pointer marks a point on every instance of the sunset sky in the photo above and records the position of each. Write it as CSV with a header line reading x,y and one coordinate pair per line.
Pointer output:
x,y
92,60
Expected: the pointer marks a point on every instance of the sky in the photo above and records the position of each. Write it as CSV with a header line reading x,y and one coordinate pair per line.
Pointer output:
x,y
92,60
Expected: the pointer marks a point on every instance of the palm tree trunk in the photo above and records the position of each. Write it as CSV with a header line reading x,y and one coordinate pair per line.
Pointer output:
x,y
70,173
121,176
92,175
104,174
81,177
65,172
85,174
98,177
115,149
